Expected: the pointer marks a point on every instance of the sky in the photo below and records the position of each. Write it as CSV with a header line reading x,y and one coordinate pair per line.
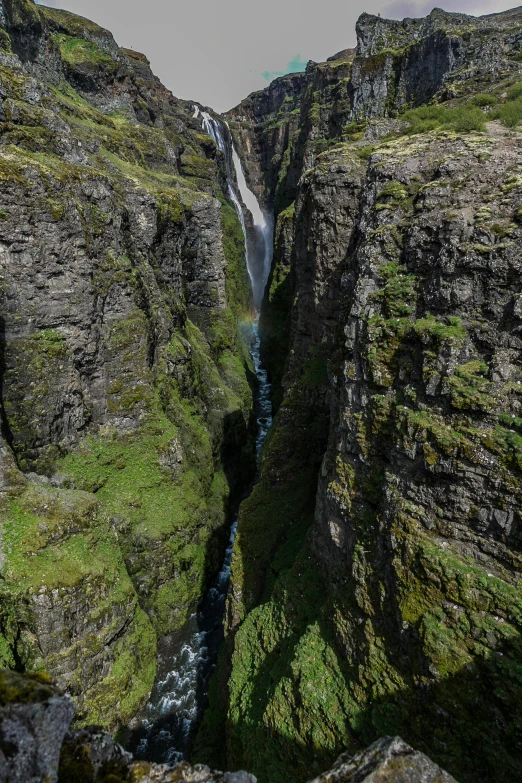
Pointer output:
x,y
216,52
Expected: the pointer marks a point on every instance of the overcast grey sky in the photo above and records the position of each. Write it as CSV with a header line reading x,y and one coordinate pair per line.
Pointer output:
x,y
216,52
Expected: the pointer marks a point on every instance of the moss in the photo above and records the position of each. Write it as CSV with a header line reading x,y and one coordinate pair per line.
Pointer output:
x,y
33,363
365,153
24,689
388,333
72,24
315,369
470,389
288,704
57,540
5,41
22,13
275,323
450,329
195,166
237,281
131,485
393,194
130,679
111,270
77,51
264,553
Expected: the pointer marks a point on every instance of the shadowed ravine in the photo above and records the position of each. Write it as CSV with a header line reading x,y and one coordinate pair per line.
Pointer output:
x,y
186,659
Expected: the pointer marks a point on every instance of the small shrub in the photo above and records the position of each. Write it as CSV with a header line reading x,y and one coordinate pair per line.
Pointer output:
x,y
484,99
465,119
510,114
365,153
426,118
514,92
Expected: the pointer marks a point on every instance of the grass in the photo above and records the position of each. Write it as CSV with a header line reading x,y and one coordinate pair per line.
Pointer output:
x,y
450,329
470,387
462,119
78,51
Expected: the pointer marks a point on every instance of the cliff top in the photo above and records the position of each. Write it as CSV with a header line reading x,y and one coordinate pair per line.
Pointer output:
x,y
376,34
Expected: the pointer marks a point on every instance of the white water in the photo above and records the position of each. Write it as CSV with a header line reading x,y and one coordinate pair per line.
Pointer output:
x,y
259,244
187,658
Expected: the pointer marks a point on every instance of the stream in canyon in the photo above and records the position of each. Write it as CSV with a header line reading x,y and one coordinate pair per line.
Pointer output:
x,y
187,658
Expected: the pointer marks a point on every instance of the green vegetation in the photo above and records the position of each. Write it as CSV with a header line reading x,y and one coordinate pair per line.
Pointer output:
x,y
484,100
462,119
78,51
470,389
57,540
509,109
275,323
272,566
510,114
73,25
449,329
30,688
138,526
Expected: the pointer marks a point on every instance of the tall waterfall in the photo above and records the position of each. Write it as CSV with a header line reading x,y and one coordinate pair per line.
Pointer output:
x,y
259,242
186,659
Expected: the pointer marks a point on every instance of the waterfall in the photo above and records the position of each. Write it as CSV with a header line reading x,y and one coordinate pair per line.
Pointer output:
x,y
165,730
259,242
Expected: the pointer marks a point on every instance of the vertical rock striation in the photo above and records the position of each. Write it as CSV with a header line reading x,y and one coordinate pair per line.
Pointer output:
x,y
383,594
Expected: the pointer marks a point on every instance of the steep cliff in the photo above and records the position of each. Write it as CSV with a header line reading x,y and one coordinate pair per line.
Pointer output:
x,y
124,379
376,583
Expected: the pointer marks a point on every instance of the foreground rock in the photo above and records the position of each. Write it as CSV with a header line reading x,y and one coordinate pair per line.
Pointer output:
x,y
34,717
389,760
34,748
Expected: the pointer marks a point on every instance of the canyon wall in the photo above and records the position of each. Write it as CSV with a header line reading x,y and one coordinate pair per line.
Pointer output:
x,y
376,575
376,578
124,379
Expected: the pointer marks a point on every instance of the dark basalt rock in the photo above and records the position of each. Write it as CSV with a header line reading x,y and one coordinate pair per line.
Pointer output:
x,y
391,568
34,748
34,717
122,285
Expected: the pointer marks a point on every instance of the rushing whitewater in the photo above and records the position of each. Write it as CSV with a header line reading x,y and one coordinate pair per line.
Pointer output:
x,y
259,241
187,658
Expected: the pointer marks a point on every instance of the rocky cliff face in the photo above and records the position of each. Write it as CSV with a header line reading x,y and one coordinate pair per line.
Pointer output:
x,y
34,747
125,400
383,596
376,577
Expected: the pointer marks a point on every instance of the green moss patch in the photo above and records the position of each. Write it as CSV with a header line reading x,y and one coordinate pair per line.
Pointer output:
x,y
77,51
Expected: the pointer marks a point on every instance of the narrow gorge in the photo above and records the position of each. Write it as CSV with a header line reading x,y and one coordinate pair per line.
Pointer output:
x,y
261,414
